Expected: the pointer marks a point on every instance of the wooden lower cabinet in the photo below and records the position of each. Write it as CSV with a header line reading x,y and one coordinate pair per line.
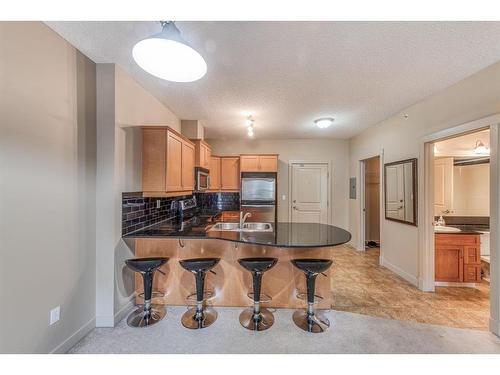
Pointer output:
x,y
457,258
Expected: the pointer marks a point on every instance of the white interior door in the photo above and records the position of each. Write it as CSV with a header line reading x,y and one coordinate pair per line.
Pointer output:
x,y
309,195
395,207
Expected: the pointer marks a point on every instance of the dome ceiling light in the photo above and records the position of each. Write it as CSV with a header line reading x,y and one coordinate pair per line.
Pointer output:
x,y
324,122
168,56
481,149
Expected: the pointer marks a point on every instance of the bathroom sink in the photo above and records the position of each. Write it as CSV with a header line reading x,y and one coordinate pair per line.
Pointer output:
x,y
440,228
247,227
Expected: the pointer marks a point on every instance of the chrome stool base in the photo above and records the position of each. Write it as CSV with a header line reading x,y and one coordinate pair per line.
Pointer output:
x,y
264,298
265,321
310,323
189,321
136,317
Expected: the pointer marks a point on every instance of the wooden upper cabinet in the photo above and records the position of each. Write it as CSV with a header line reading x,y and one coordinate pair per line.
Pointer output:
x,y
167,162
249,163
153,160
174,162
203,152
268,163
259,163
188,157
230,173
215,173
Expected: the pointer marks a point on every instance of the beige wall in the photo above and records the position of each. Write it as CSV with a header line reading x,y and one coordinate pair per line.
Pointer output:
x,y
399,138
47,190
335,151
471,190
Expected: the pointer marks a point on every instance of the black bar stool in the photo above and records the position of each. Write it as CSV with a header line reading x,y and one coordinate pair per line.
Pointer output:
x,y
257,318
308,320
199,317
148,314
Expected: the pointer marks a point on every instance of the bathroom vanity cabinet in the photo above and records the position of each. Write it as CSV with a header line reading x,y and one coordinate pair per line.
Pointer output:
x,y
457,257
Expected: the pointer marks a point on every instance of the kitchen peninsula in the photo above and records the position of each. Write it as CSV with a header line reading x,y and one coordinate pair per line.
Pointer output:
x,y
180,239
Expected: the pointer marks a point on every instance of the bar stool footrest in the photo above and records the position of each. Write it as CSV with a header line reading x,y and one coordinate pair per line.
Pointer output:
x,y
264,298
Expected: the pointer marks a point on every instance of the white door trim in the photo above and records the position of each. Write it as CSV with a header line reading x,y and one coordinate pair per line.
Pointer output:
x,y
426,209
328,181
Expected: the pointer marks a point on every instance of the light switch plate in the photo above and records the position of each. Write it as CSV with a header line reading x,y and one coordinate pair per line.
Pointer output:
x,y
55,315
158,202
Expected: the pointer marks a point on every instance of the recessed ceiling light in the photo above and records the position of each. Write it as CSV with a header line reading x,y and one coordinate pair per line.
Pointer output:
x,y
167,56
324,122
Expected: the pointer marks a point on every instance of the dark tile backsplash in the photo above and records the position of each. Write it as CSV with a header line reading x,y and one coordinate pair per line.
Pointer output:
x,y
139,212
220,201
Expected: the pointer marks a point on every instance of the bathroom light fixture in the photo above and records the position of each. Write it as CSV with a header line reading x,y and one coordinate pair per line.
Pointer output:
x,y
481,149
324,122
168,56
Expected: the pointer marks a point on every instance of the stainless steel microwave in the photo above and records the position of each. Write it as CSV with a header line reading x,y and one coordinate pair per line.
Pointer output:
x,y
202,178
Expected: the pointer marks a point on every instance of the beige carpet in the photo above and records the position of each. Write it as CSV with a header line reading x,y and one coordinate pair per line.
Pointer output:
x,y
361,286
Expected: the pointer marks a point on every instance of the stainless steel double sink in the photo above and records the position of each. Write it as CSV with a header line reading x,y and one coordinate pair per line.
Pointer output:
x,y
247,227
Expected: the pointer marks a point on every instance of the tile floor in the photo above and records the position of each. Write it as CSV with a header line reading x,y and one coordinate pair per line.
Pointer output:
x,y
361,286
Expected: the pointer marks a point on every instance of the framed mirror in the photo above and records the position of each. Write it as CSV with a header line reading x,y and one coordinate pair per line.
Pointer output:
x,y
400,187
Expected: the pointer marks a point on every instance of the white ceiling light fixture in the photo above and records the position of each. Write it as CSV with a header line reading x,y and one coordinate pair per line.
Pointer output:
x,y
249,122
168,56
481,149
324,122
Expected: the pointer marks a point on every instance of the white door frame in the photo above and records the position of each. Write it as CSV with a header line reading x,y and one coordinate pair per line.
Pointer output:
x,y
362,212
426,208
328,181
360,189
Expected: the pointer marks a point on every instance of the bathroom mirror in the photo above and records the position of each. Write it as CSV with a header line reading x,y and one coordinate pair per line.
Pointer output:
x,y
400,179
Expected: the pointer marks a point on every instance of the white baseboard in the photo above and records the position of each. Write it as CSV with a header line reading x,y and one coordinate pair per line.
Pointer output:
x,y
124,311
459,285
405,275
102,321
74,338
495,327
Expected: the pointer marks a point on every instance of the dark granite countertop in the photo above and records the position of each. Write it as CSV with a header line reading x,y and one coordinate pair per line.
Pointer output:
x,y
467,229
286,235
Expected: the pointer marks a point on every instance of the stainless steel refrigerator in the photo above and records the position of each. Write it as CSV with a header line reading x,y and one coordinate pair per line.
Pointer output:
x,y
258,196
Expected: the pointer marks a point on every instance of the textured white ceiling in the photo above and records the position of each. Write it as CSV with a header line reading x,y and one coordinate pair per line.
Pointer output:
x,y
288,73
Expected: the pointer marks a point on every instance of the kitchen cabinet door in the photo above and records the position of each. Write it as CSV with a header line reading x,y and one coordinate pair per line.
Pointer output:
x,y
249,163
268,163
449,263
153,160
187,166
215,173
174,162
230,173
208,155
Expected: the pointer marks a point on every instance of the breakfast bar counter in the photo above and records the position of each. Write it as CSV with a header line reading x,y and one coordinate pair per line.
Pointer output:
x,y
230,284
